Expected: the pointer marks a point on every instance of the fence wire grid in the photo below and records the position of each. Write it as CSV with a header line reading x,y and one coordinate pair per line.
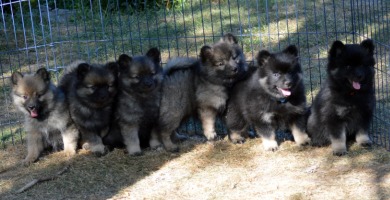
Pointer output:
x,y
53,33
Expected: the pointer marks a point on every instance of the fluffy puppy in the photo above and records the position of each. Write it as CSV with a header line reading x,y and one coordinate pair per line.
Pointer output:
x,y
138,102
193,86
343,108
273,97
46,115
90,90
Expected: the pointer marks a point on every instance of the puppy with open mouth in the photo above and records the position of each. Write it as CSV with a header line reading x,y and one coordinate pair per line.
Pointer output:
x,y
343,109
273,97
46,114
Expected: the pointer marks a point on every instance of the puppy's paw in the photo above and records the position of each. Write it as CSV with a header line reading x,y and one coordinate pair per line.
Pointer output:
x,y
172,149
136,154
28,161
363,140
211,136
86,146
69,152
303,141
155,144
366,144
97,149
134,150
270,145
170,146
101,153
240,140
339,148
339,152
236,138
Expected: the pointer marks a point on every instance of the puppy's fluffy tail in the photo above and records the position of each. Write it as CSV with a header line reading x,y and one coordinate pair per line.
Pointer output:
x,y
181,63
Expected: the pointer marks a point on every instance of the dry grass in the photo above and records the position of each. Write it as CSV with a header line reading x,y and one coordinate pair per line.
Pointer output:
x,y
205,171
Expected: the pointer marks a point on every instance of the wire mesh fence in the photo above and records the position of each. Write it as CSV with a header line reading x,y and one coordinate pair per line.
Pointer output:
x,y
53,33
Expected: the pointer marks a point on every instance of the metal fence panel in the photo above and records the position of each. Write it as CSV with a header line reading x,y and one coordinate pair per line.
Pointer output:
x,y
53,33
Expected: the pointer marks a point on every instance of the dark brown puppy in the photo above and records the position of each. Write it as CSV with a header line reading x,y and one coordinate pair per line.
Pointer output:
x,y
90,90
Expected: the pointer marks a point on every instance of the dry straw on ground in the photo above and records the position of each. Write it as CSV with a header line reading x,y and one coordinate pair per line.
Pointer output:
x,y
204,171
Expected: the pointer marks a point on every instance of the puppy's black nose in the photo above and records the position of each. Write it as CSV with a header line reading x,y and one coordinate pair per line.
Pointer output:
x,y
103,97
288,83
31,107
148,84
359,77
103,94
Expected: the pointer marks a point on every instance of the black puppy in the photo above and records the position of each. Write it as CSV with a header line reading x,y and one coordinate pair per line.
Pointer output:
x,y
345,104
272,97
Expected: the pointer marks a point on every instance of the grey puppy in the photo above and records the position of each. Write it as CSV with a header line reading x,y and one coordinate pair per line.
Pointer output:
x,y
46,115
90,91
138,102
193,86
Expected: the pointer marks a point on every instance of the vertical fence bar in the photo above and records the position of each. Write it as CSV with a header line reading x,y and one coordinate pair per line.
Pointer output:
x,y
250,28
184,28
308,49
211,21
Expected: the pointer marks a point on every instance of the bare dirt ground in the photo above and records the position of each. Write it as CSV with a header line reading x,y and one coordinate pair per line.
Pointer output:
x,y
203,171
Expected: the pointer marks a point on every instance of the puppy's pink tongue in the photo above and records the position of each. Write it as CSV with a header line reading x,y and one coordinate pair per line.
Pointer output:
x,y
34,113
285,92
356,85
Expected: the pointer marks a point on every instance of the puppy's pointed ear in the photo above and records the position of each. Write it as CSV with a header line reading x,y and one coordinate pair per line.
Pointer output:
x,y
262,57
154,54
124,62
336,49
368,44
229,38
82,70
206,53
16,77
292,49
44,74
113,67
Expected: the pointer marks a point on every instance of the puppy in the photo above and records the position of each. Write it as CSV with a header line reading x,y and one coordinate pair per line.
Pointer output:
x,y
273,97
138,102
199,87
90,91
46,114
343,108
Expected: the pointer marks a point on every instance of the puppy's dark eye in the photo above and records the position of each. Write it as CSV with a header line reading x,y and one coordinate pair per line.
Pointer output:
x,y
276,75
219,63
92,87
24,97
